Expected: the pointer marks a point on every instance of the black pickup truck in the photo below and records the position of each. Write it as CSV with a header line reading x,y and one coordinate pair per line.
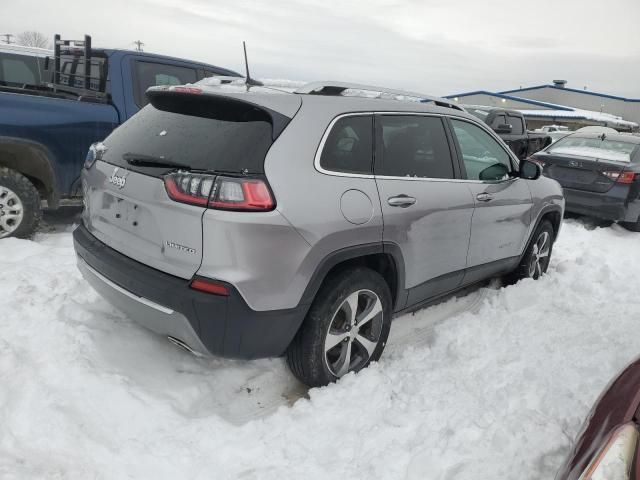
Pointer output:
x,y
511,126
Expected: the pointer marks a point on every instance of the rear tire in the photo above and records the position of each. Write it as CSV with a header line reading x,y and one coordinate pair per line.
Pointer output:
x,y
535,261
633,227
20,211
334,339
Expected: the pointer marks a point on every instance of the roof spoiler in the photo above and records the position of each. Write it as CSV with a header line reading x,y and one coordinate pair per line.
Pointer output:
x,y
194,101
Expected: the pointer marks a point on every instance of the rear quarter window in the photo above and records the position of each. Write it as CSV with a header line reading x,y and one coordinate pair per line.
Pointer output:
x,y
349,146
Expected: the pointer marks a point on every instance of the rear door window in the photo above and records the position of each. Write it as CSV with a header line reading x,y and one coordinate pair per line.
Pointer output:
x,y
412,146
498,120
151,74
517,128
349,146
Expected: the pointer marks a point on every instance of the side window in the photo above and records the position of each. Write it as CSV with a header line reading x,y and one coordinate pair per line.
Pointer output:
x,y
349,146
516,125
412,146
484,158
149,74
18,70
498,120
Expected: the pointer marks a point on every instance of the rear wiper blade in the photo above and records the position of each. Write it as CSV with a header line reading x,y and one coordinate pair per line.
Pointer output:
x,y
151,161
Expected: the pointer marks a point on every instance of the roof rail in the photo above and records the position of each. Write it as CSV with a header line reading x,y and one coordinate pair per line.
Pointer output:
x,y
338,88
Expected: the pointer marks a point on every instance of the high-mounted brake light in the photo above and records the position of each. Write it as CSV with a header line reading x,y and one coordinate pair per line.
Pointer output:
x,y
181,89
219,192
621,177
209,286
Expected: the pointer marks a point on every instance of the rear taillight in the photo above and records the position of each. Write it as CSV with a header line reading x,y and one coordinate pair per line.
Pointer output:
x,y
621,177
241,194
95,153
219,192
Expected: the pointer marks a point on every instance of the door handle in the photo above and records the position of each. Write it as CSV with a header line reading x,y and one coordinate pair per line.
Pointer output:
x,y
484,197
402,201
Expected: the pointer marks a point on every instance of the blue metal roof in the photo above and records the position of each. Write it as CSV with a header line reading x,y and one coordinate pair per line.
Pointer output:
x,y
551,106
586,92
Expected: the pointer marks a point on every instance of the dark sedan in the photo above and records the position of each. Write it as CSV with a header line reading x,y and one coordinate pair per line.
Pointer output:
x,y
599,173
607,448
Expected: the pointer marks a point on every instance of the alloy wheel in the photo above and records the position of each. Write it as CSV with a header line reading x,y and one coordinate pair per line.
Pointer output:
x,y
540,255
354,332
11,211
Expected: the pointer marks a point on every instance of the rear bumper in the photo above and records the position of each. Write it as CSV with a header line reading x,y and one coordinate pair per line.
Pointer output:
x,y
611,205
208,324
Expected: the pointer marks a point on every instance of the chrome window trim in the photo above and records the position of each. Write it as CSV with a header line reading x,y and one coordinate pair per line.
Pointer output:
x,y
319,168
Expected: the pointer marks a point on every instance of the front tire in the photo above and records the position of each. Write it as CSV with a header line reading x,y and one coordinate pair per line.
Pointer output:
x,y
536,258
345,329
20,211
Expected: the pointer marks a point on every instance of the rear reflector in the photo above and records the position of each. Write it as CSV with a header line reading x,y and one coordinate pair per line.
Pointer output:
x,y
218,192
209,286
621,177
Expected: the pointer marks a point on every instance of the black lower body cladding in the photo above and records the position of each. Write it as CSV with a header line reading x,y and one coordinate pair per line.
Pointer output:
x,y
226,326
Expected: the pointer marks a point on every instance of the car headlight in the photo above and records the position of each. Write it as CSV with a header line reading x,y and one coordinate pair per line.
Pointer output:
x,y
615,459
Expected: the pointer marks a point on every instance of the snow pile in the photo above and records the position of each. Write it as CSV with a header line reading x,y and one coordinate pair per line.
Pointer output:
x,y
491,385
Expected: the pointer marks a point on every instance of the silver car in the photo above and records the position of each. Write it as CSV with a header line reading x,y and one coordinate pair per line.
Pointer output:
x,y
254,223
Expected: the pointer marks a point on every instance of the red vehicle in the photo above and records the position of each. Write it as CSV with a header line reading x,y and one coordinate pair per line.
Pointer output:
x,y
607,447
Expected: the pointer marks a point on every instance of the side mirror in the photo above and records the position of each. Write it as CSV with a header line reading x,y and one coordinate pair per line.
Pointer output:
x,y
495,172
530,170
504,128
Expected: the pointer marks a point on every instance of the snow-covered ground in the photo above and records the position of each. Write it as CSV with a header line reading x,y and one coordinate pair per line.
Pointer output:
x,y
492,385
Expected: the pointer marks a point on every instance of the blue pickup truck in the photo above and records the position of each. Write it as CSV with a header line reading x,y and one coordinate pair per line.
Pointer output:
x,y
53,109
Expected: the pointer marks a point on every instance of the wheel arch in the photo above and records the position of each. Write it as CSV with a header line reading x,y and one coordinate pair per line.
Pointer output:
x,y
34,161
383,258
553,214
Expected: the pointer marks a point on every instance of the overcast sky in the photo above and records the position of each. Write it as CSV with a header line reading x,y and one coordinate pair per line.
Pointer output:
x,y
432,46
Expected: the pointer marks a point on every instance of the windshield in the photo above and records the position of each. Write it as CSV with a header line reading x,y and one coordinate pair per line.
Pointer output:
x,y
594,147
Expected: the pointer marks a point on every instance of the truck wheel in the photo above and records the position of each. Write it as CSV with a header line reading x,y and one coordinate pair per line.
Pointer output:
x,y
20,211
345,329
536,258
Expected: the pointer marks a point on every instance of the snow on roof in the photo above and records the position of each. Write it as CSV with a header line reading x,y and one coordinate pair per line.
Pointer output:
x,y
579,114
574,90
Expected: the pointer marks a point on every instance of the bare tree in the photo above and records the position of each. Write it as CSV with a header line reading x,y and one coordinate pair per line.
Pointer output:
x,y
33,39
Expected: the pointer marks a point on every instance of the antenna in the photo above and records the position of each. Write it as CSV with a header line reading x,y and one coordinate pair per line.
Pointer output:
x,y
249,81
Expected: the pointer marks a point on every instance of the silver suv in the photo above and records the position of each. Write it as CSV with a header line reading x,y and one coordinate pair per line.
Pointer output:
x,y
253,223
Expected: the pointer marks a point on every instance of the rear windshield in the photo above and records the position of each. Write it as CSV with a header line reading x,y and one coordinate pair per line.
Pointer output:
x,y
19,70
232,138
606,149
